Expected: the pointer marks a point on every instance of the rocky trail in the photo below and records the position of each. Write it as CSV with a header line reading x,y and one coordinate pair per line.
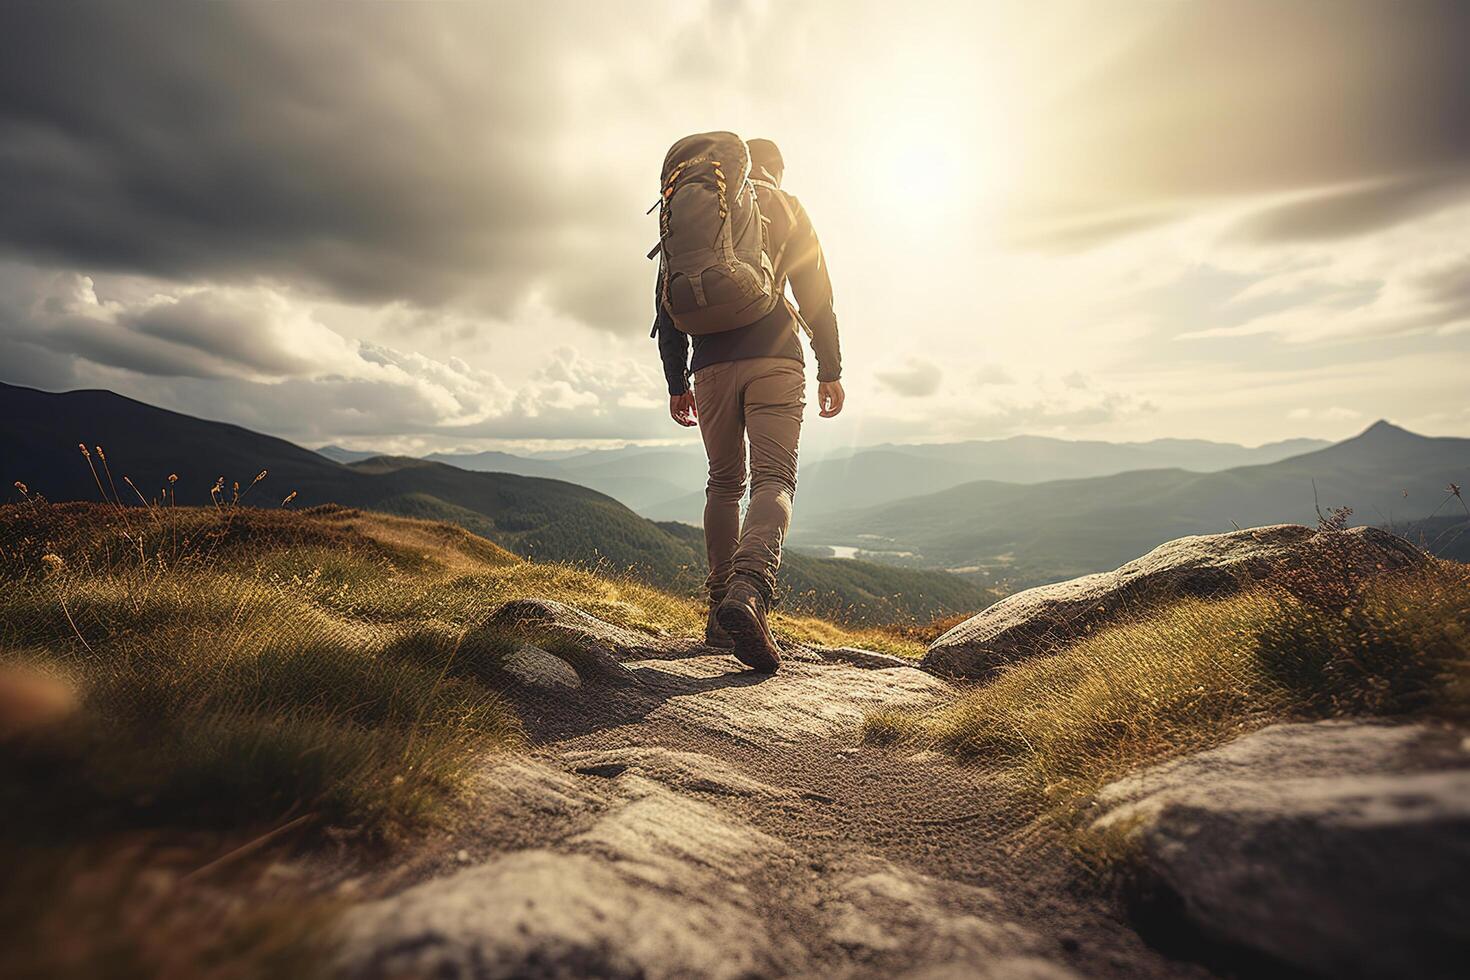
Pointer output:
x,y
681,816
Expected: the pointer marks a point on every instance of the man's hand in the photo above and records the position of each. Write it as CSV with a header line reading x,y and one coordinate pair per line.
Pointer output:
x,y
830,397
682,410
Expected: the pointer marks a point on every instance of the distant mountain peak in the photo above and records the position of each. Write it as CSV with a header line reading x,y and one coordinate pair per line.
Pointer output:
x,y
1384,440
1384,431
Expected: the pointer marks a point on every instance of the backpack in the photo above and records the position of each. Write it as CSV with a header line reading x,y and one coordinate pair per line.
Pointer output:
x,y
716,273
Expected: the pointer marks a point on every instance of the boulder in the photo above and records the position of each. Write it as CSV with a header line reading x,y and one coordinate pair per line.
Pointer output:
x,y
656,887
1051,617
858,657
1336,848
644,880
530,665
592,648
537,913
887,908
549,619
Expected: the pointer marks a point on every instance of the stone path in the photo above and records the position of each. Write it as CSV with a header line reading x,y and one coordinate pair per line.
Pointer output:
x,y
681,817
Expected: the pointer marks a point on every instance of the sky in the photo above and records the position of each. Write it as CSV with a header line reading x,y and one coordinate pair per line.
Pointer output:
x,y
420,226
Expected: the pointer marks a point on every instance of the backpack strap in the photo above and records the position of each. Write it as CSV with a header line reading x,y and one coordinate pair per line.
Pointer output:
x,y
780,195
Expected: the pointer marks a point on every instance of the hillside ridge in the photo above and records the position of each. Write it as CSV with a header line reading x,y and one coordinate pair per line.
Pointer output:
x,y
539,517
1062,528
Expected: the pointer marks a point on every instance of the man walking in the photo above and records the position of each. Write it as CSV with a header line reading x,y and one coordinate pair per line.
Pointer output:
x,y
749,383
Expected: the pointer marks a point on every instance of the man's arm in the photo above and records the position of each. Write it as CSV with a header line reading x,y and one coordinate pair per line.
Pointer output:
x,y
812,288
673,343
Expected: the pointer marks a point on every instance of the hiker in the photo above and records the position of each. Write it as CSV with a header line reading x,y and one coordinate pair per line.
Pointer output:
x,y
722,281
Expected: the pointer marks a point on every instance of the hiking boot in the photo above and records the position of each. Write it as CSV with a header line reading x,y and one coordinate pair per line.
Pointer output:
x,y
714,634
743,615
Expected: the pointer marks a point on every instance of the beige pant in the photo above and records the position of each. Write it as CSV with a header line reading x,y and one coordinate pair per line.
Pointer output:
x,y
762,398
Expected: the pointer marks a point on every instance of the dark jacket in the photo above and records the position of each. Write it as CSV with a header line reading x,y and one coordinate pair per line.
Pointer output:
x,y
775,334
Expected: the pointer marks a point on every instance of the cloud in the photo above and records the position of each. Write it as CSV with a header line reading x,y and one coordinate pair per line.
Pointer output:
x,y
992,374
1257,97
1445,290
1355,211
1052,413
399,152
422,223
1405,282
189,332
1076,381
1063,413
257,358
918,378
1080,230
1336,413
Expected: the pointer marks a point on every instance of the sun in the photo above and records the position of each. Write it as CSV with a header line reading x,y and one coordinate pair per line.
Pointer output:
x,y
918,168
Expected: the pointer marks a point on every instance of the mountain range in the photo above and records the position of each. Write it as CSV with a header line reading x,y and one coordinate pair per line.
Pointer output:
x,y
537,517
881,474
667,483
641,477
904,508
1028,533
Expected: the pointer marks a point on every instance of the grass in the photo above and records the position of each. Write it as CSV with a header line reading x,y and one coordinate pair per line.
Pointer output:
x,y
187,680
238,666
233,669
119,913
1193,673
179,682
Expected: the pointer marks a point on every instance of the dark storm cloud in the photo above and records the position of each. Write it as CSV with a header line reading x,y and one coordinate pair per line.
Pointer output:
x,y
1269,96
374,152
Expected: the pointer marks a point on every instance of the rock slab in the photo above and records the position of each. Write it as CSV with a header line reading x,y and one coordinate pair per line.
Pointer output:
x,y
659,883
1051,617
653,888
1339,848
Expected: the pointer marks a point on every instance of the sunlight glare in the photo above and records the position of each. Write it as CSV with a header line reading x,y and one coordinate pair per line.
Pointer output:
x,y
926,165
